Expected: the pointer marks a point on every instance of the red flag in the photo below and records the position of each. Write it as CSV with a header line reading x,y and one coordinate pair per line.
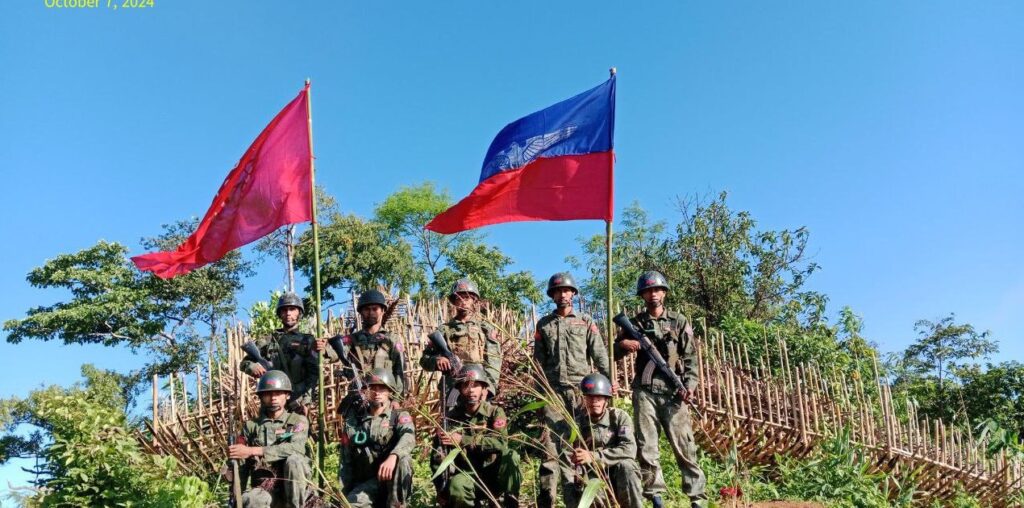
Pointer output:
x,y
269,188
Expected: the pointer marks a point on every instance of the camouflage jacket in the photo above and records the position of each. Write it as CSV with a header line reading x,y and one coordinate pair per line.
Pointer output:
x,y
279,437
672,335
484,435
473,341
291,352
610,438
377,351
564,347
367,440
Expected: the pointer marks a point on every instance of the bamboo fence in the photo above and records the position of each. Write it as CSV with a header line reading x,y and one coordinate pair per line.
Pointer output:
x,y
760,409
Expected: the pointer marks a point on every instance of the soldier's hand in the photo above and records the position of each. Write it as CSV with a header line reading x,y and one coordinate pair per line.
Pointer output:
x,y
240,451
581,456
450,439
443,364
319,345
258,370
387,469
630,345
687,396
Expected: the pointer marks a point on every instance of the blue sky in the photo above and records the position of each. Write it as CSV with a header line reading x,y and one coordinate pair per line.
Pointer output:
x,y
890,129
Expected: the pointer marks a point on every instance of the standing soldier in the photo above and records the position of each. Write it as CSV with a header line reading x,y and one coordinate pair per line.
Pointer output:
x,y
274,452
474,341
371,347
292,352
376,448
605,442
565,345
479,430
656,402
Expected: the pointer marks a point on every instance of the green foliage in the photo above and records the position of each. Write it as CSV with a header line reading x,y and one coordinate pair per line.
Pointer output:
x,y
943,345
487,266
263,318
995,393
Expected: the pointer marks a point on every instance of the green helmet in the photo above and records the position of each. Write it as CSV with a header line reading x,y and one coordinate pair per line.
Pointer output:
x,y
381,377
290,299
274,381
473,372
562,280
464,285
372,297
596,384
651,279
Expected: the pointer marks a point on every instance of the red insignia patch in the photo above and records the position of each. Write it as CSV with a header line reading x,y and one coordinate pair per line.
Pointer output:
x,y
623,430
347,339
593,328
404,419
500,423
494,334
344,439
536,335
385,424
398,347
299,428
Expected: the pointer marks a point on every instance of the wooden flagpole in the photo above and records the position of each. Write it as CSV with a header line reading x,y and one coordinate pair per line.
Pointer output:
x,y
321,423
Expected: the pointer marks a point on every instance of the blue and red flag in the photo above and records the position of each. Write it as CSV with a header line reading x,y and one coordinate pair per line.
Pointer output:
x,y
555,164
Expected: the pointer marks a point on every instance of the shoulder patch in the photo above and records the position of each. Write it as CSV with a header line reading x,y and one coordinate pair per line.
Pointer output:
x,y
398,347
593,328
494,334
347,340
536,335
405,419
344,440
624,430
499,423
299,427
385,424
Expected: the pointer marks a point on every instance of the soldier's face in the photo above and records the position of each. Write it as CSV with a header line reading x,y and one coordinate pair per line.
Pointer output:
x,y
653,297
379,394
596,404
463,301
289,316
562,296
472,392
274,401
371,314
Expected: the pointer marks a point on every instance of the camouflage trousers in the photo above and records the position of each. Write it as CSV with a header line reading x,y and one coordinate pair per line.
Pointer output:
x,y
373,493
665,412
625,483
287,489
502,480
550,474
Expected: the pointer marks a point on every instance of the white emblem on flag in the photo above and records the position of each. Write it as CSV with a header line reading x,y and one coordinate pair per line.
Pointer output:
x,y
516,156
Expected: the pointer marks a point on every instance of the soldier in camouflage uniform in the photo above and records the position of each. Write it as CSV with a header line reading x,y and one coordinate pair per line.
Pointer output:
x,y
473,340
276,465
372,347
567,346
605,442
376,447
292,352
656,403
480,430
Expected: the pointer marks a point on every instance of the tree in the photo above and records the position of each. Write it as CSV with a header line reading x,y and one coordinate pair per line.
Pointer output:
x,y
487,266
996,393
944,345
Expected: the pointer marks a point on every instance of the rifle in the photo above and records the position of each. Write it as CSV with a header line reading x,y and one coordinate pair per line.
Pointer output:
x,y
236,477
253,353
437,340
652,352
355,380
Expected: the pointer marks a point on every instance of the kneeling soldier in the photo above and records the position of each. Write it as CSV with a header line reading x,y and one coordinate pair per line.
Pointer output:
x,y
486,472
376,463
276,464
605,443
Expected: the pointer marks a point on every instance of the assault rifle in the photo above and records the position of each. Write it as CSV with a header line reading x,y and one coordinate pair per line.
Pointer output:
x,y
236,477
253,353
652,352
437,340
353,374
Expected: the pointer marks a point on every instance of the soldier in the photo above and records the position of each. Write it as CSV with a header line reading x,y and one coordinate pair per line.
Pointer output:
x,y
565,345
376,447
656,402
372,347
474,341
486,471
274,452
292,352
605,441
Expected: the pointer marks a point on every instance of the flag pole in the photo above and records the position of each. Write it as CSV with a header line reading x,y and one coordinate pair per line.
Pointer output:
x,y
608,259
321,423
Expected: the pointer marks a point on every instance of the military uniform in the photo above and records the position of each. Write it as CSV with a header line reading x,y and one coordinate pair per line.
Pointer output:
x,y
611,442
486,459
564,348
367,441
292,352
475,343
655,403
278,478
378,351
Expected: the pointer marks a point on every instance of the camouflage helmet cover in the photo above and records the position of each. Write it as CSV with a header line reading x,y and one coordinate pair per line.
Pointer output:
x,y
596,384
372,297
381,377
274,381
562,280
473,372
290,299
464,285
651,279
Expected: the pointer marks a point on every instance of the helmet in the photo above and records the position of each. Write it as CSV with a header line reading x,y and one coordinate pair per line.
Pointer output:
x,y
372,297
274,381
381,377
562,280
473,372
651,279
290,299
464,285
596,384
